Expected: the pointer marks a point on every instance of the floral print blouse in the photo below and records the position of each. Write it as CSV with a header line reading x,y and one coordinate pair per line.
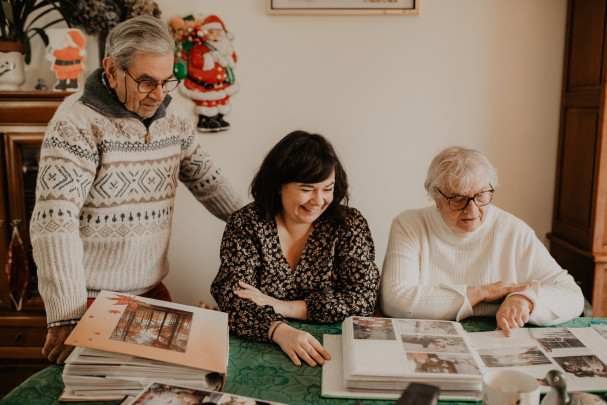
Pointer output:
x,y
336,275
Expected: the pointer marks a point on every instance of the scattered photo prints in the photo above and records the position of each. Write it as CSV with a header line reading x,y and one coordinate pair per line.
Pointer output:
x,y
426,327
514,356
600,327
555,339
161,394
373,328
583,366
434,343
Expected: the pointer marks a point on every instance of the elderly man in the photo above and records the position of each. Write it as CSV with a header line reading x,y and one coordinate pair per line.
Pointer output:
x,y
109,168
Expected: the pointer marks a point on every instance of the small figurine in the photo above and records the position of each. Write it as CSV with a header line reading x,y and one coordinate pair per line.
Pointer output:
x,y
67,60
210,77
41,85
6,66
12,70
558,394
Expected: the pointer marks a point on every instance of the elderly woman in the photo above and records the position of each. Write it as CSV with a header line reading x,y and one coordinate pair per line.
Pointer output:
x,y
464,256
298,251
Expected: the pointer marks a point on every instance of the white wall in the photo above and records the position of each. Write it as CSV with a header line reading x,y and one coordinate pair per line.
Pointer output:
x,y
389,92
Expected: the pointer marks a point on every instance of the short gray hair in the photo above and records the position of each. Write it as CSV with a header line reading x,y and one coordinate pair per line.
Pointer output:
x,y
459,169
143,34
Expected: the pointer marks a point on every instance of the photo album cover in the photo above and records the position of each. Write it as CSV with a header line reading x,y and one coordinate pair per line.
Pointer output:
x,y
124,342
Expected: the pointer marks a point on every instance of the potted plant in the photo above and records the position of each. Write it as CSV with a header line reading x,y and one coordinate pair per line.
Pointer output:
x,y
20,22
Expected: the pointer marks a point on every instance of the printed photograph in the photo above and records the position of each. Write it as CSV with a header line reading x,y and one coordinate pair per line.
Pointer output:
x,y
442,363
557,338
600,327
161,394
152,325
426,327
435,343
373,328
514,356
583,366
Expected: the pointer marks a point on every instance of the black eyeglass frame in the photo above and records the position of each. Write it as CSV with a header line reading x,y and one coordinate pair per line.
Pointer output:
x,y
164,82
469,199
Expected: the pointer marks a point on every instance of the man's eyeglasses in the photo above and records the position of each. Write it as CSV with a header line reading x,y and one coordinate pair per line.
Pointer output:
x,y
149,85
460,202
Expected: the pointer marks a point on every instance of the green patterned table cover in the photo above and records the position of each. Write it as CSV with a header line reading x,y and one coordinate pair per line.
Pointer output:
x,y
257,370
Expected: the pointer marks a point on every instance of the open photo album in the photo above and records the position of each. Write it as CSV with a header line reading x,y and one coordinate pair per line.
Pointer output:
x,y
124,342
380,357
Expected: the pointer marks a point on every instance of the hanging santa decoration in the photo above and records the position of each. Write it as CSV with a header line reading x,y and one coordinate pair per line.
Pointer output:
x,y
209,77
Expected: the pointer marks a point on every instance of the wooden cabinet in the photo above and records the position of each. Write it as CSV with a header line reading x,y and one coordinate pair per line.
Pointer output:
x,y
23,120
579,230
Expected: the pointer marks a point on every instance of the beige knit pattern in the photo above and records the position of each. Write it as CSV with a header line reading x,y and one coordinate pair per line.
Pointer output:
x,y
104,202
427,268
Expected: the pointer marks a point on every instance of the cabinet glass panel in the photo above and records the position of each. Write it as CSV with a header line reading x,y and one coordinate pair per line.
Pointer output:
x,y
30,158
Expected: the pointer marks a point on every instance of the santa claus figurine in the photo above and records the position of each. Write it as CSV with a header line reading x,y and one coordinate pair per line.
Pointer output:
x,y
210,79
67,60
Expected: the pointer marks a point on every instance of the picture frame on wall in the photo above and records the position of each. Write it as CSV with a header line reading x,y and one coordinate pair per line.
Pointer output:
x,y
343,7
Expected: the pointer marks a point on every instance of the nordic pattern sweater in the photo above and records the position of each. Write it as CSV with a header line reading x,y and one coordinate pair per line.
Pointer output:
x,y
105,197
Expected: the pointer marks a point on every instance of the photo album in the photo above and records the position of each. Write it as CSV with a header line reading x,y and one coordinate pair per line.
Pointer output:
x,y
379,357
124,343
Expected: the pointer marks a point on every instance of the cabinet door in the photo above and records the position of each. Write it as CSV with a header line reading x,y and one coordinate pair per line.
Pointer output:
x,y
22,151
5,302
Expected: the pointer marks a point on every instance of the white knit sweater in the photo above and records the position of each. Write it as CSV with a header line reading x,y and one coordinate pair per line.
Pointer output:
x,y
427,268
104,201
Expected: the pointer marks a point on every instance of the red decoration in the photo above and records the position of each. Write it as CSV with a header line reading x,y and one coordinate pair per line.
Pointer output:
x,y
17,269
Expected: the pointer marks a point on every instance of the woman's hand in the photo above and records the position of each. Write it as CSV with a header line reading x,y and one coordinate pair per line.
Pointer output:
x,y
513,313
288,309
492,292
248,292
298,344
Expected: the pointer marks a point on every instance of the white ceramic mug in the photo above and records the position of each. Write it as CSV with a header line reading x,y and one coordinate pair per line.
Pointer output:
x,y
510,387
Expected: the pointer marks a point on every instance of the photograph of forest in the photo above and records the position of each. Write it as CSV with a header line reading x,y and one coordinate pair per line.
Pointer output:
x,y
153,325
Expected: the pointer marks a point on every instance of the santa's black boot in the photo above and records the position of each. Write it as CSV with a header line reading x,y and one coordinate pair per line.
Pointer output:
x,y
72,84
208,124
224,125
62,85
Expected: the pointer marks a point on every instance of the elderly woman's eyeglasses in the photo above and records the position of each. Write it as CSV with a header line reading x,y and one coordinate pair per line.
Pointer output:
x,y
460,202
149,85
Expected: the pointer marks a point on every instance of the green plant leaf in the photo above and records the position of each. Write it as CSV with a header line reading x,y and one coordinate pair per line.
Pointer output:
x,y
20,20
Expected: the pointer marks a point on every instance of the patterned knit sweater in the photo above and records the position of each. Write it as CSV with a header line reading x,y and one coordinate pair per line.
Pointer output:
x,y
428,267
105,197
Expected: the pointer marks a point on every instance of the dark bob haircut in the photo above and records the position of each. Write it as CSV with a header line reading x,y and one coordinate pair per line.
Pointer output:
x,y
303,158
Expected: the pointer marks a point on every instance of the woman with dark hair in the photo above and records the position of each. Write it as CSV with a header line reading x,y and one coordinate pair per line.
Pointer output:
x,y
297,251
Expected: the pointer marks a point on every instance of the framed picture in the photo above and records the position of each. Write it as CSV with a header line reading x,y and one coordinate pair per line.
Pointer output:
x,y
343,7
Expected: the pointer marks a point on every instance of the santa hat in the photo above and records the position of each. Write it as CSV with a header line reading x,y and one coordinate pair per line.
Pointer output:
x,y
76,39
213,21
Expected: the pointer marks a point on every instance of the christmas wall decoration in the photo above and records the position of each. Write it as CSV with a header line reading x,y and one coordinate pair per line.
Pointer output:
x,y
205,61
66,52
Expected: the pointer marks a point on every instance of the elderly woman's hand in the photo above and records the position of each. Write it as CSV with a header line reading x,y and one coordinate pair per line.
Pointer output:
x,y
298,344
492,292
513,313
288,309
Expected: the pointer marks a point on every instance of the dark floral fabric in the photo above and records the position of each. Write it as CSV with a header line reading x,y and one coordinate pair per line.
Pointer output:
x,y
336,274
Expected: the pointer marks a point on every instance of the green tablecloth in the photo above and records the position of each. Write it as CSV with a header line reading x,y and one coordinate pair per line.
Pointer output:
x,y
257,370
